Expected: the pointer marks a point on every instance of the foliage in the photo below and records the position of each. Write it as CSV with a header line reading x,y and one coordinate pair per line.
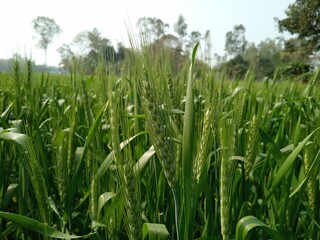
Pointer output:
x,y
235,67
298,70
265,58
296,49
303,18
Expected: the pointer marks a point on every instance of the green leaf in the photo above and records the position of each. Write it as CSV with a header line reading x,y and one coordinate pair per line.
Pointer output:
x,y
194,52
39,227
6,112
250,222
307,175
288,163
297,132
187,145
8,195
143,160
154,231
109,159
275,151
9,135
237,90
103,199
95,225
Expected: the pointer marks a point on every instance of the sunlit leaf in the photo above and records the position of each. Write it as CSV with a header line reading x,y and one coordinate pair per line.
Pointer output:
x,y
246,224
154,231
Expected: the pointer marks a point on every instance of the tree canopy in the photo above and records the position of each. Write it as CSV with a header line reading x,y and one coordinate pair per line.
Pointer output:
x,y
303,19
47,29
152,28
236,41
89,47
180,27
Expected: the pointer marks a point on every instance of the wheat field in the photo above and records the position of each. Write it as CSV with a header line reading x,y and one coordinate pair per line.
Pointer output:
x,y
153,154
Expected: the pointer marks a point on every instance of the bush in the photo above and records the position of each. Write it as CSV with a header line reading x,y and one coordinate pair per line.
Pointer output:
x,y
297,70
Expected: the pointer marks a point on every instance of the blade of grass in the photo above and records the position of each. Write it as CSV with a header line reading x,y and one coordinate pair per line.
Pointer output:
x,y
155,231
103,199
39,227
187,148
19,138
143,160
8,196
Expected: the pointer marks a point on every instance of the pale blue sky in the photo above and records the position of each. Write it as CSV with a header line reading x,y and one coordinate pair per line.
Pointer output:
x,y
109,17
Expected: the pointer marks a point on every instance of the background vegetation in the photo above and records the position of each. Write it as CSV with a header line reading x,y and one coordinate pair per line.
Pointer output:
x,y
294,58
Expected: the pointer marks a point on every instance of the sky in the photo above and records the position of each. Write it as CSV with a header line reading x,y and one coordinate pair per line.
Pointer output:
x,y
112,19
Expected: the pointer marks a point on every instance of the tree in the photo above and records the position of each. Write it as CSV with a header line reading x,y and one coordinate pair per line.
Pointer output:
x,y
263,59
89,48
81,43
296,49
47,29
180,27
66,56
87,41
121,52
97,42
236,41
152,28
303,18
169,41
236,67
269,57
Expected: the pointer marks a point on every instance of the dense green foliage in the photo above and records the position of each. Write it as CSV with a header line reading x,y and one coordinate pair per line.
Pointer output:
x,y
154,153
303,19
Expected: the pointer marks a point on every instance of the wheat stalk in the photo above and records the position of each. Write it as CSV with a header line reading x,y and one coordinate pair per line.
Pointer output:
x,y
157,126
205,142
226,137
132,203
252,146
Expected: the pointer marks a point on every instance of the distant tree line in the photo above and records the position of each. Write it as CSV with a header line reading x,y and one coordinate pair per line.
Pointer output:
x,y
293,57
88,48
6,65
270,55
